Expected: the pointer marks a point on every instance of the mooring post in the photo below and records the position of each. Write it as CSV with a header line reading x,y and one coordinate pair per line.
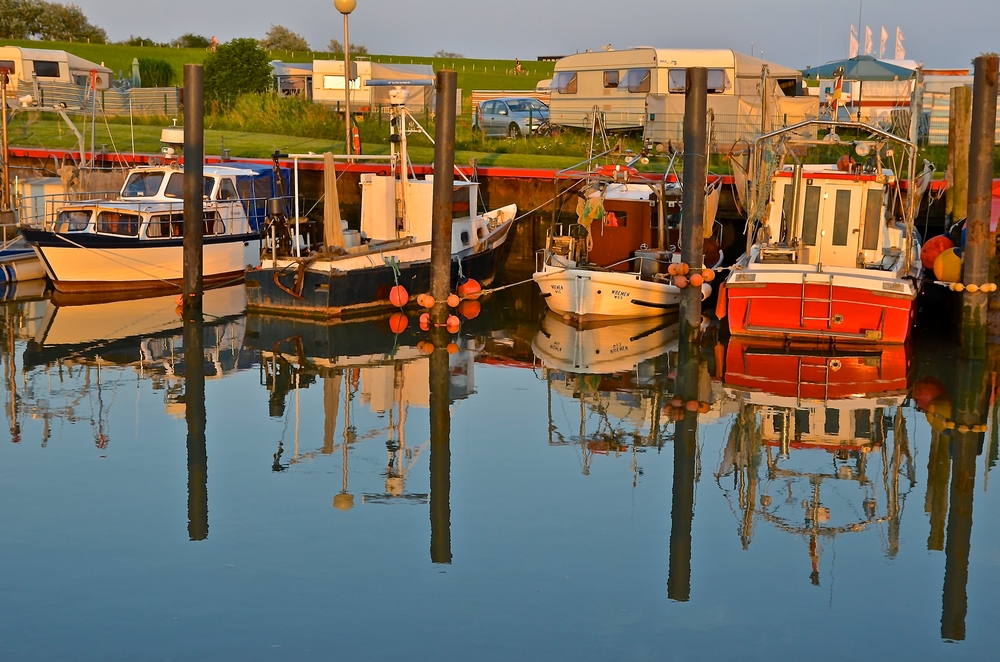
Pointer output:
x,y
685,449
194,415
693,209
194,187
978,249
959,125
440,461
444,183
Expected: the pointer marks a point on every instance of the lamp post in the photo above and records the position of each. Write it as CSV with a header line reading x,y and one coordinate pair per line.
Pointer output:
x,y
345,7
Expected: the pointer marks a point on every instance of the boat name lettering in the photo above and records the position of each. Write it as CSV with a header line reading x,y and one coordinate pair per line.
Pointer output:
x,y
619,347
619,294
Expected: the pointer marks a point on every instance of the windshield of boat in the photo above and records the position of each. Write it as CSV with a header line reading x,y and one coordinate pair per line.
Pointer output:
x,y
142,184
175,186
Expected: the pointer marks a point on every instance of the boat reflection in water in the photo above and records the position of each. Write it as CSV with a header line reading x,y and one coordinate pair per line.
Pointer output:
x,y
810,418
617,372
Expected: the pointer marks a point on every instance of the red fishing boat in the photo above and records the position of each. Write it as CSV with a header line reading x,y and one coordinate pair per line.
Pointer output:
x,y
832,252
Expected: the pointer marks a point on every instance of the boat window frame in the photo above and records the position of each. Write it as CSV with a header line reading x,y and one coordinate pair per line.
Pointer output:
x,y
172,219
871,224
810,214
132,230
207,187
143,175
223,182
71,228
841,234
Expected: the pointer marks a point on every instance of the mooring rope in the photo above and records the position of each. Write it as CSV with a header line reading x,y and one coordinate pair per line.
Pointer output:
x,y
111,257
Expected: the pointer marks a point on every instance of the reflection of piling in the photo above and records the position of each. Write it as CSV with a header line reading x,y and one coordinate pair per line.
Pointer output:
x,y
331,400
959,123
695,177
444,183
936,501
682,498
194,170
194,413
978,247
440,461
965,447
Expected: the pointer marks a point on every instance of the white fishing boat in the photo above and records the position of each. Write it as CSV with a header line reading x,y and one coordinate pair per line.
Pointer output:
x,y
135,241
602,267
18,262
355,274
832,254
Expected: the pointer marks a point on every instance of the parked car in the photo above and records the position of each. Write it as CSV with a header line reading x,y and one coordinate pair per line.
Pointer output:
x,y
512,116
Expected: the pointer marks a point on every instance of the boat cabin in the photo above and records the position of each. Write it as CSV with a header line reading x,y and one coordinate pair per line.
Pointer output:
x,y
821,215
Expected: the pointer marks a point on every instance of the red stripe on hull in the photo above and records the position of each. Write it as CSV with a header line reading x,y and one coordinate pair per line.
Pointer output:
x,y
776,310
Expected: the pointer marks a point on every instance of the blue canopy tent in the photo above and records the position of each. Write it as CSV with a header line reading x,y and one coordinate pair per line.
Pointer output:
x,y
861,68
256,189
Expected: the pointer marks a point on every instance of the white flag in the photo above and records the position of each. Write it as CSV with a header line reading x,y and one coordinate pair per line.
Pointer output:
x,y
853,50
881,45
900,51
868,40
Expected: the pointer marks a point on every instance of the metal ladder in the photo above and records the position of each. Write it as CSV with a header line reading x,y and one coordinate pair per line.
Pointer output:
x,y
825,369
803,318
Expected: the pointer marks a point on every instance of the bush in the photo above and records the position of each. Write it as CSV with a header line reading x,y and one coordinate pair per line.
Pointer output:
x,y
191,40
237,67
155,73
280,38
275,113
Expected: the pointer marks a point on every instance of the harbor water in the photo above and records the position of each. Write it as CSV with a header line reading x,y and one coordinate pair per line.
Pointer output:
x,y
259,488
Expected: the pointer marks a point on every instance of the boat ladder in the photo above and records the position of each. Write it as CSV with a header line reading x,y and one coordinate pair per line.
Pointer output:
x,y
824,369
828,300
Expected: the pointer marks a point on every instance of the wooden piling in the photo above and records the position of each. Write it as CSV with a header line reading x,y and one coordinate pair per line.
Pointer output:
x,y
440,461
194,187
695,178
978,248
959,125
444,183
685,451
195,417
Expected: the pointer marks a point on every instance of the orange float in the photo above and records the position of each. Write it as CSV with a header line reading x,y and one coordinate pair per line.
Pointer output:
x,y
469,309
469,288
398,322
398,296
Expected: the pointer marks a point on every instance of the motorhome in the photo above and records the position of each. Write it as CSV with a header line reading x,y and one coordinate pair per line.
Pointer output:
x,y
328,84
36,65
618,84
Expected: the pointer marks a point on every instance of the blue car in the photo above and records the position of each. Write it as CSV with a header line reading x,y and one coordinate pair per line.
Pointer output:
x,y
511,116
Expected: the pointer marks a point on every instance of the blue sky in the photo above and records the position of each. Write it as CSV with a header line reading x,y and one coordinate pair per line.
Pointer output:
x,y
794,33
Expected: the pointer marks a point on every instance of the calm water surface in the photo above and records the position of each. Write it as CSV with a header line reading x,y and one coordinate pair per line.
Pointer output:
x,y
818,506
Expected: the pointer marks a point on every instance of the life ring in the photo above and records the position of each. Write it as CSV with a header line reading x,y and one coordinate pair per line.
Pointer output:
x,y
356,139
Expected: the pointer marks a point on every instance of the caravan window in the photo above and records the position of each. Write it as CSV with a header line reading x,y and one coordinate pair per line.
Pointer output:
x,y
611,78
46,69
718,81
7,65
636,81
565,82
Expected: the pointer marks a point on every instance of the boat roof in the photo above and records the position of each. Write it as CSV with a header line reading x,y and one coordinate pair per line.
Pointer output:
x,y
242,170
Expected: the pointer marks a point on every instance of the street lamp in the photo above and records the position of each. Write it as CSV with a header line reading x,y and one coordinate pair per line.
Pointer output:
x,y
345,7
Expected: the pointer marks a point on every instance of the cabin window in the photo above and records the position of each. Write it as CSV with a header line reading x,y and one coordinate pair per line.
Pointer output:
x,y
213,224
842,218
718,81
175,186
141,184
612,78
787,207
73,220
164,226
863,423
227,191
565,82
636,81
810,215
46,69
115,222
873,210
801,422
832,423
7,65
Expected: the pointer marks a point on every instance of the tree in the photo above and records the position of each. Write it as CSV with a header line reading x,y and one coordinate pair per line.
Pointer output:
x,y
23,19
280,38
337,48
17,18
448,54
139,41
236,67
191,40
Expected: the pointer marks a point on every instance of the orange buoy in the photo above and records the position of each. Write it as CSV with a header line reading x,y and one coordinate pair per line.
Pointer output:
x,y
469,288
672,269
452,323
453,300
696,279
708,275
429,301
683,269
680,281
452,348
704,407
691,405
179,300
948,266
934,247
398,322
398,296
425,321
420,299
179,310
425,347
677,402
469,309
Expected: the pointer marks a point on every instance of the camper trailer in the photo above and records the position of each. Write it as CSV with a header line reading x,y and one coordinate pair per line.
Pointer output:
x,y
618,83
39,66
328,84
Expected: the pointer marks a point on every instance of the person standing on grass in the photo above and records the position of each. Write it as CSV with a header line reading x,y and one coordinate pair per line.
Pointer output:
x,y
517,66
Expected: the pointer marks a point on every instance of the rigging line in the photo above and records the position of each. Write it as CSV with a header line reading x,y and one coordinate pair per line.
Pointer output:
x,y
121,159
110,254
